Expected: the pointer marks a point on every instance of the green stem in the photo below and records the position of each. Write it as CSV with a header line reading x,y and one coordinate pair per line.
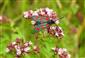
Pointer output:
x,y
79,31
4,6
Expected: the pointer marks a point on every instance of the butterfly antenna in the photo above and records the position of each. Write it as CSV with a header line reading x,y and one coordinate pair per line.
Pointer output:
x,y
61,17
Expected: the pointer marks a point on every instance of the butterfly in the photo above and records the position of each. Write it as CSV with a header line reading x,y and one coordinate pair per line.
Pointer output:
x,y
44,18
41,22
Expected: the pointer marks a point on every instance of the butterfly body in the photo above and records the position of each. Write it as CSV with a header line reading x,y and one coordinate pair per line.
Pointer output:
x,y
42,22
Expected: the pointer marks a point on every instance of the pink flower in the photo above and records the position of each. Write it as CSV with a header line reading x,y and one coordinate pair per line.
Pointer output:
x,y
28,43
36,49
43,18
1,17
18,52
28,14
26,49
40,12
56,31
35,13
62,52
19,47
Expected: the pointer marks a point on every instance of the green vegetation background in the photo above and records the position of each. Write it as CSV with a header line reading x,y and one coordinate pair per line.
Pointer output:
x,y
73,25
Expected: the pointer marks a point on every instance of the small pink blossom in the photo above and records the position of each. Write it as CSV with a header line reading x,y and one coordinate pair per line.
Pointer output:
x,y
19,47
1,17
62,52
26,49
36,49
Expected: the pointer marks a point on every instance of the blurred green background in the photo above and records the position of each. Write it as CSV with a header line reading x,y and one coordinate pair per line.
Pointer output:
x,y
14,25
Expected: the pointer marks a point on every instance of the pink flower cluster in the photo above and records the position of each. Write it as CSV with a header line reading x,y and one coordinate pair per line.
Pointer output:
x,y
62,52
51,18
56,30
41,12
20,48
